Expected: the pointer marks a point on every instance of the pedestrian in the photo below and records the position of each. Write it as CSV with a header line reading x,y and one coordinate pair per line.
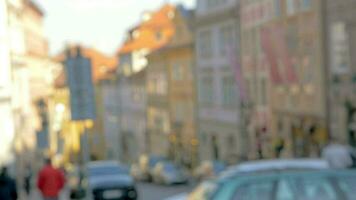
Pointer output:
x,y
27,180
50,181
7,186
279,147
338,155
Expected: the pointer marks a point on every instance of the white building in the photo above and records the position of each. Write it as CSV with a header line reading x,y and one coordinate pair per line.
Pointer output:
x,y
217,27
7,132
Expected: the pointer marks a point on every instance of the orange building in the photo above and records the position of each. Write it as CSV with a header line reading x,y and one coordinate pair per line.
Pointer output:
x,y
153,32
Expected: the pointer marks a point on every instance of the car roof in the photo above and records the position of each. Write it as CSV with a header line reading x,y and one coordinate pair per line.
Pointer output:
x,y
283,164
276,165
99,164
289,174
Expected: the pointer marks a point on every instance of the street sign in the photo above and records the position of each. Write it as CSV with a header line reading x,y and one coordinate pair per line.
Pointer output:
x,y
79,78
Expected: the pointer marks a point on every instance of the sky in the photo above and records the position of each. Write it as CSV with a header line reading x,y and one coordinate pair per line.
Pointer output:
x,y
94,23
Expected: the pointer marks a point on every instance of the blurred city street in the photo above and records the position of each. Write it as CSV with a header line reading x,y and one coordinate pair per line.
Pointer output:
x,y
113,99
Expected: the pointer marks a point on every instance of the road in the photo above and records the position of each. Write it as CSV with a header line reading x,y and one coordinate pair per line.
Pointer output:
x,y
147,191
156,192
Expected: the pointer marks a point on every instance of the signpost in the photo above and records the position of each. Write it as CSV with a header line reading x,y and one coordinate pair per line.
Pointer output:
x,y
79,77
82,100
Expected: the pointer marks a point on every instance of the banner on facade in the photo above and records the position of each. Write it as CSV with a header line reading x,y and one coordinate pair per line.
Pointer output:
x,y
277,53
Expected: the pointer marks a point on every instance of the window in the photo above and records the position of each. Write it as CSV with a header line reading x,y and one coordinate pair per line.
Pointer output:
x,y
263,91
205,44
137,94
226,39
291,7
277,8
178,72
157,84
340,54
306,4
206,92
179,111
229,91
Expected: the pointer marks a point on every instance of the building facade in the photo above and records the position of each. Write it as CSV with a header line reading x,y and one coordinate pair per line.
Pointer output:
x,y
283,47
341,27
175,95
7,120
132,115
153,32
217,43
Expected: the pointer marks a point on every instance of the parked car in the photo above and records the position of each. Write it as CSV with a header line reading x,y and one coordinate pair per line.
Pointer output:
x,y
209,169
142,171
288,185
110,180
169,173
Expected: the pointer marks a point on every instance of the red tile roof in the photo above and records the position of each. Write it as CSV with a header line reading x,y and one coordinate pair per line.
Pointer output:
x,y
153,33
102,65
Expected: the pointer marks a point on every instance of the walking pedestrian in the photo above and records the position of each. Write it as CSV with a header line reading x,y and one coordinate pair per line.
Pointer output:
x,y
27,180
7,186
50,181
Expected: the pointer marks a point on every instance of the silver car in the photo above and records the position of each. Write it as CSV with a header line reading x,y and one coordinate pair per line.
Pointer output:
x,y
168,173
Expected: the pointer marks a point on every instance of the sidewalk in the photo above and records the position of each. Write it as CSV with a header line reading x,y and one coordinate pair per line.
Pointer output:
x,y
35,195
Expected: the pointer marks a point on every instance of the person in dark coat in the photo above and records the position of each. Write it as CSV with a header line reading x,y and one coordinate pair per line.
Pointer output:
x,y
27,180
7,186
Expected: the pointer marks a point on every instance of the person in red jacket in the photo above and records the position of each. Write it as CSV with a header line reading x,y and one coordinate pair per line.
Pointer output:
x,y
50,181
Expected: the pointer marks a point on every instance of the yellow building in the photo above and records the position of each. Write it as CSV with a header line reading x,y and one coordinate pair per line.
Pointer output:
x,y
170,72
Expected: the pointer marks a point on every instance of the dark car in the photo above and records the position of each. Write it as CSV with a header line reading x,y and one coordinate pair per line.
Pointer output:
x,y
110,181
287,185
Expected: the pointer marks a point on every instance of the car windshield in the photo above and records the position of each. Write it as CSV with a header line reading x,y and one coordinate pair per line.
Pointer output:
x,y
291,187
154,160
169,167
108,170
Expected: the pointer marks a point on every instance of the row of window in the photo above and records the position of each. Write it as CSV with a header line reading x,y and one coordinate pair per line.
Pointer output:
x,y
293,6
157,84
213,3
205,42
257,89
228,91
